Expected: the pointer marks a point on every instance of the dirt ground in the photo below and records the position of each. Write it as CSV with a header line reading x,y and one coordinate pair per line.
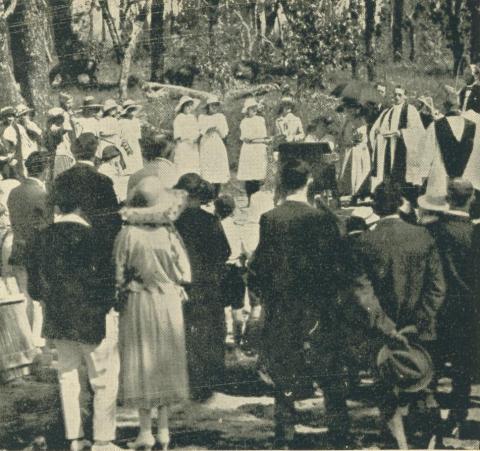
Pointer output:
x,y
239,416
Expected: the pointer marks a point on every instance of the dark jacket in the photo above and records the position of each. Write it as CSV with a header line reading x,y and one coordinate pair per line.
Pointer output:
x,y
294,272
97,199
27,205
473,102
207,248
457,319
77,288
402,262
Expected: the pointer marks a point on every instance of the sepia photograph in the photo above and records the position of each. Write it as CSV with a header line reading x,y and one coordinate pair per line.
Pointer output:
x,y
239,225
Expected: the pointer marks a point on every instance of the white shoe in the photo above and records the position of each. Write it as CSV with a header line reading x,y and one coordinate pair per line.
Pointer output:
x,y
108,447
144,441
163,437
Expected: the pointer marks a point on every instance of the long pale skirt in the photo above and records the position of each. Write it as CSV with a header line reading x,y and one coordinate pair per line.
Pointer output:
x,y
186,158
253,161
152,350
214,165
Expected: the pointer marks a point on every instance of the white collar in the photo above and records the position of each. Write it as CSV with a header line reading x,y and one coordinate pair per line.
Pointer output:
x,y
71,217
395,216
459,213
297,197
87,162
38,181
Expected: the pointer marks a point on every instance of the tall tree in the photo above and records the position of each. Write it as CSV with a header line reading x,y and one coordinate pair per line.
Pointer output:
x,y
35,42
112,29
212,14
397,28
474,9
9,94
157,44
370,7
453,10
142,11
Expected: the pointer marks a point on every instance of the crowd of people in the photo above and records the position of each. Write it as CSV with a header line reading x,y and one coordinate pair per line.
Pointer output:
x,y
128,253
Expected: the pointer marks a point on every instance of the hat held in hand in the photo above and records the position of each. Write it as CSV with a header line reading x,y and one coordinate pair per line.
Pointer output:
x,y
409,368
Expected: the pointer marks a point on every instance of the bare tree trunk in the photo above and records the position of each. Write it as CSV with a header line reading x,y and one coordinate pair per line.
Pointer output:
x,y
397,26
370,6
454,8
157,48
474,8
127,60
112,29
35,42
10,93
261,17
411,39
212,14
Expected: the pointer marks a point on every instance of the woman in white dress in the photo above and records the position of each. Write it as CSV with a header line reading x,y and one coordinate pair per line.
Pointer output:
x,y
131,133
253,161
111,166
213,126
186,134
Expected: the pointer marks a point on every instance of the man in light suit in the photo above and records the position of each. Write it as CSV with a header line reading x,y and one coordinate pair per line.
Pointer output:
x,y
27,205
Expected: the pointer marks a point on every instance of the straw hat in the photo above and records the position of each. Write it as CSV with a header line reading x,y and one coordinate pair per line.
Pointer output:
x,y
89,103
365,213
433,203
63,98
109,105
213,100
55,113
149,203
22,110
129,105
249,103
186,99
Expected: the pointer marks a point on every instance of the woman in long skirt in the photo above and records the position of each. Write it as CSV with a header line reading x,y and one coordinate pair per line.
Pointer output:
x,y
186,134
214,167
253,161
152,267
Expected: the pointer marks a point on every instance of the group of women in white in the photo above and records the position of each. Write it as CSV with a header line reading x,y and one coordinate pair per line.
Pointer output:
x,y
200,141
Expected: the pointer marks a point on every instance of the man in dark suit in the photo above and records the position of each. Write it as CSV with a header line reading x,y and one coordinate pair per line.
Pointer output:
x,y
27,206
294,271
93,190
457,320
403,264
69,274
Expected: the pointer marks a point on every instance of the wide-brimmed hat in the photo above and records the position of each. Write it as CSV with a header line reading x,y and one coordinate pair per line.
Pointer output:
x,y
287,100
150,203
90,103
22,110
186,99
129,105
409,368
249,103
110,104
7,111
433,203
56,112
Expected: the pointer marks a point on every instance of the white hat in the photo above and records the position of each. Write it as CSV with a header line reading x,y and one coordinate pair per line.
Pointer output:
x,y
212,100
21,110
110,104
365,213
433,203
130,105
186,99
55,112
249,103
